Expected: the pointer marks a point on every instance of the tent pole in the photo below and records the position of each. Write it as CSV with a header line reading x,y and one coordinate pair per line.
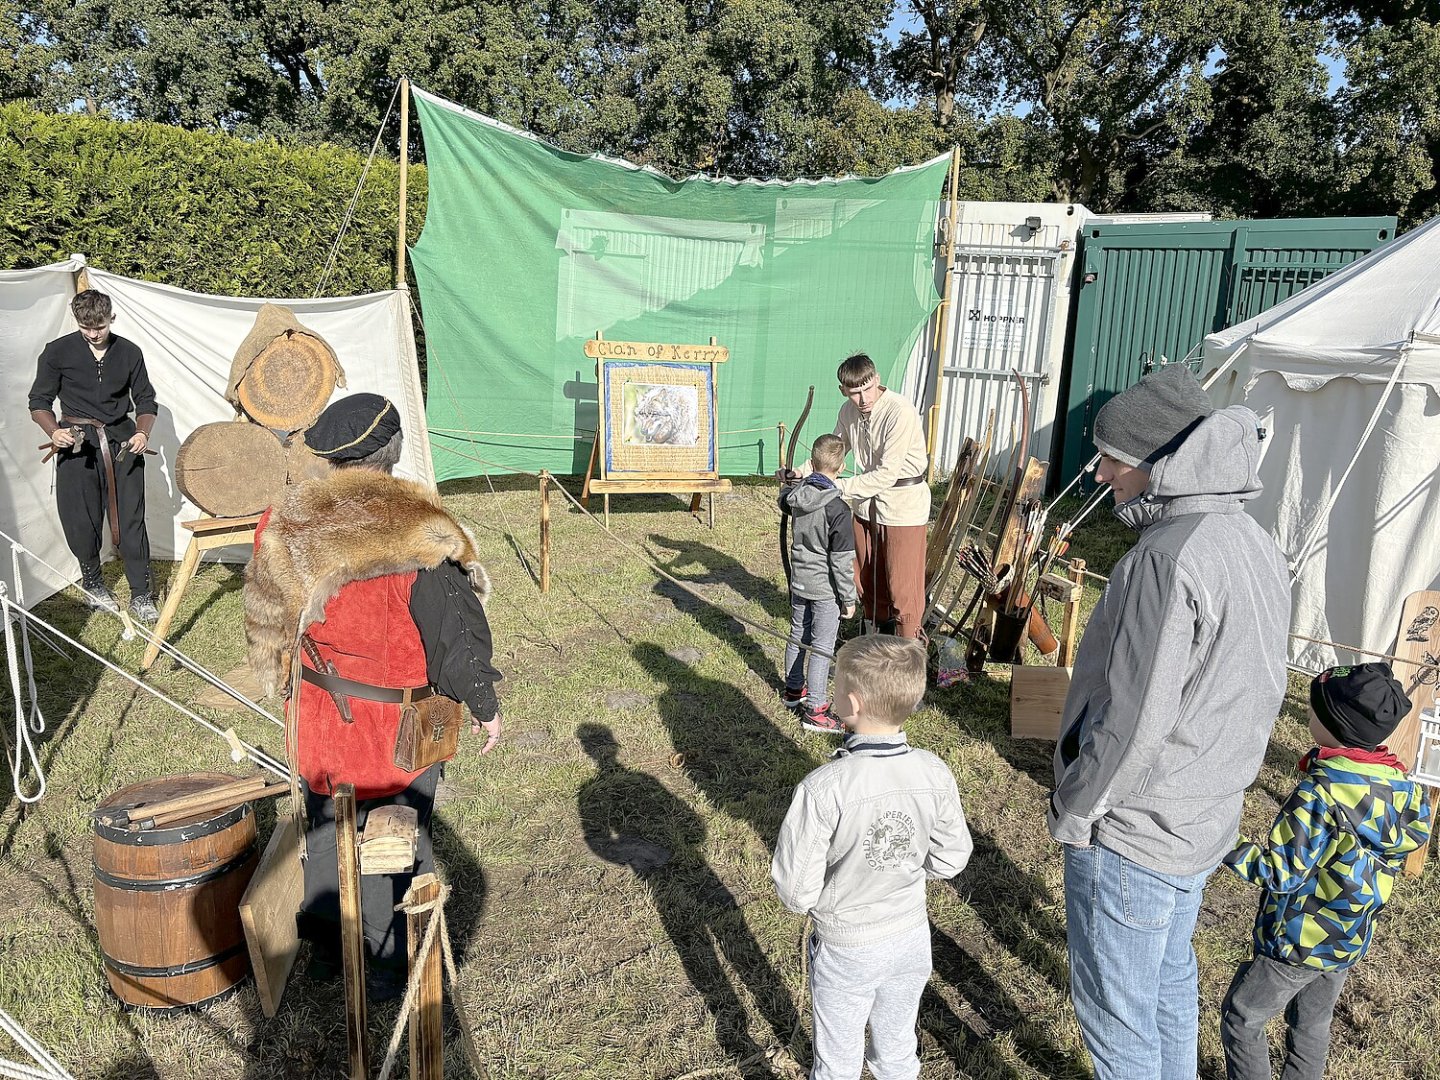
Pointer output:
x,y
942,330
404,180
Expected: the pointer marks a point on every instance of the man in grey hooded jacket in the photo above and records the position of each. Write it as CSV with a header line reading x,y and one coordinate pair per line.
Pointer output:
x,y
1177,683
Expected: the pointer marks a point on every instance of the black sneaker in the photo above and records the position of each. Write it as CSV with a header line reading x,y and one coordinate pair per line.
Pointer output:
x,y
142,607
792,699
97,595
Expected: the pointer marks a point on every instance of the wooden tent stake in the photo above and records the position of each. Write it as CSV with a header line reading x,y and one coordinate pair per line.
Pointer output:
x,y
942,329
352,932
544,530
427,1040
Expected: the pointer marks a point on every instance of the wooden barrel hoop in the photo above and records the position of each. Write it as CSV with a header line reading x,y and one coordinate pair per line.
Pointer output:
x,y
167,900
231,469
289,384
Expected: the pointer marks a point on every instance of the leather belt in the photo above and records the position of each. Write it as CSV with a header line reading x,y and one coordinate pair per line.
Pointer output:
x,y
909,481
104,440
338,684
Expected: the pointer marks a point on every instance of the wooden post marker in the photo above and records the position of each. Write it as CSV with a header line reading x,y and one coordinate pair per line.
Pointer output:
x,y
427,1040
544,531
352,932
1069,629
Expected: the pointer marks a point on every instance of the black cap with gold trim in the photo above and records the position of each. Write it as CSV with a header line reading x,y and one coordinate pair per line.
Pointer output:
x,y
353,427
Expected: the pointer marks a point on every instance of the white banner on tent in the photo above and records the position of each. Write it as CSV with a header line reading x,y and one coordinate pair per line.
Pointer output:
x,y
189,340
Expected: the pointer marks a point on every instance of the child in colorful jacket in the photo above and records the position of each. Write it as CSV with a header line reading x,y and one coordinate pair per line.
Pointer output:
x,y
1335,850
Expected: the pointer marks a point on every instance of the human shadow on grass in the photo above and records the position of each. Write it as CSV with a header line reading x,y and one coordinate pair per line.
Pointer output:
x,y
1015,907
732,752
718,568
631,819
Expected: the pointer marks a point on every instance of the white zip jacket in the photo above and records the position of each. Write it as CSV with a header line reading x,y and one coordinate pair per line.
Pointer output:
x,y
863,833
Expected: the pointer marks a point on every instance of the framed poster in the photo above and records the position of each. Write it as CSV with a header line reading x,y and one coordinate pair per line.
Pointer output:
x,y
658,410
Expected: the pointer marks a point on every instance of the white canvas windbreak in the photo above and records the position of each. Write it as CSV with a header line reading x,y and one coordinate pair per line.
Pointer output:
x,y
1346,379
189,340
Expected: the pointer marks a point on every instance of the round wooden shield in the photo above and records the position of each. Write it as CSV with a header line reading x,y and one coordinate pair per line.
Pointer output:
x,y
300,463
289,384
231,469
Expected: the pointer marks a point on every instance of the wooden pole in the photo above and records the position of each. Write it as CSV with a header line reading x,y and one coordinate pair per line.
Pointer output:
x,y
352,931
544,530
1069,629
427,1040
404,180
943,329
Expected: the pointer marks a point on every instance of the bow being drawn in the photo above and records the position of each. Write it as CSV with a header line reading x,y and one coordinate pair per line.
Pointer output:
x,y
786,464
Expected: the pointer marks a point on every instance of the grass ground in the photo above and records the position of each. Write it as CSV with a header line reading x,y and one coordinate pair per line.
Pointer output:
x,y
636,716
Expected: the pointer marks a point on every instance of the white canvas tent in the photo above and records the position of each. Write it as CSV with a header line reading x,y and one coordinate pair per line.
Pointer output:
x,y
189,340
1346,379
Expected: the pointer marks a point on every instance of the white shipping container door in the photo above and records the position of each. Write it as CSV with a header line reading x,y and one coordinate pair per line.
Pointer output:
x,y
1003,319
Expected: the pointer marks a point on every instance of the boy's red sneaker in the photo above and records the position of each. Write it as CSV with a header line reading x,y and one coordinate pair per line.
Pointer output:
x,y
793,699
818,718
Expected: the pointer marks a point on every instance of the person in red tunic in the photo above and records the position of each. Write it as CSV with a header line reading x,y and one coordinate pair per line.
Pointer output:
x,y
391,592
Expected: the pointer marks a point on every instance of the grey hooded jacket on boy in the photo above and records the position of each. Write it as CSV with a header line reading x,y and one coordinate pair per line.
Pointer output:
x,y
1181,671
822,542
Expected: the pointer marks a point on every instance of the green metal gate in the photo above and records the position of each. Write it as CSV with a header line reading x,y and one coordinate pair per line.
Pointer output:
x,y
1151,292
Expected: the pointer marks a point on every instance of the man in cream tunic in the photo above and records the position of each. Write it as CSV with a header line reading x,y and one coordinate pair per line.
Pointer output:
x,y
889,495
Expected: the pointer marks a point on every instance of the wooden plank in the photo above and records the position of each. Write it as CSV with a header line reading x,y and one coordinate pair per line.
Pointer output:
x,y
657,352
646,477
427,1039
352,930
267,911
1070,628
661,487
1418,638
1037,700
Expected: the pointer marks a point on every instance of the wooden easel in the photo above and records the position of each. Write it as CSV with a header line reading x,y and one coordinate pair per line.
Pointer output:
x,y
676,483
206,534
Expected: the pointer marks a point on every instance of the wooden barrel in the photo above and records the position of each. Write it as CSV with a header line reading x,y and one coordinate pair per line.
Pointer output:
x,y
231,469
289,383
167,900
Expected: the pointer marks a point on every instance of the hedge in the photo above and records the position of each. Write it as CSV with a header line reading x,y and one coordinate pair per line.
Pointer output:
x,y
202,211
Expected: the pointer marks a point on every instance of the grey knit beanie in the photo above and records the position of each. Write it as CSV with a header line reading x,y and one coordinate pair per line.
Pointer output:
x,y
1153,417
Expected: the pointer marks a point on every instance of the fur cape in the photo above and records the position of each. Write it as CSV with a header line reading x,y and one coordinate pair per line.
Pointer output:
x,y
352,525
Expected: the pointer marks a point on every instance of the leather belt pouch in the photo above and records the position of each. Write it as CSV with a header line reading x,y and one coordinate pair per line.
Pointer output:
x,y
429,732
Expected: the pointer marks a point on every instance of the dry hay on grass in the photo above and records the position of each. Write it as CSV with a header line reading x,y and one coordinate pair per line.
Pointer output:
x,y
575,964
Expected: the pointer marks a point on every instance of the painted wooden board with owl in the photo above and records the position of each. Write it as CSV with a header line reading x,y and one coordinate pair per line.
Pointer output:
x,y
1418,639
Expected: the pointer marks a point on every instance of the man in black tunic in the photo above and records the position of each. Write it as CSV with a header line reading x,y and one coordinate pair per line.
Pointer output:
x,y
99,449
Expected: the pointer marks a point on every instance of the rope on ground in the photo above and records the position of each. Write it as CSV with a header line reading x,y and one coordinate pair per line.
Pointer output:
x,y
49,1069
134,629
255,754
435,929
355,198
656,567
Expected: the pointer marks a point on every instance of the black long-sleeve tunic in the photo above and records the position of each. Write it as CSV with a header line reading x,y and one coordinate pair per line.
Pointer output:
x,y
102,391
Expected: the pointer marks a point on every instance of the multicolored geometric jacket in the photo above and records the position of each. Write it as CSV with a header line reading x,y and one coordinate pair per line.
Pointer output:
x,y
1334,851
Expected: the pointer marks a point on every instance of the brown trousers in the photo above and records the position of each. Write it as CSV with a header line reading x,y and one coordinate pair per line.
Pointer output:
x,y
890,574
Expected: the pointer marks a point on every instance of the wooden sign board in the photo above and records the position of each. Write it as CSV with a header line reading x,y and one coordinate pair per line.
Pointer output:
x,y
658,424
1037,701
267,911
1417,639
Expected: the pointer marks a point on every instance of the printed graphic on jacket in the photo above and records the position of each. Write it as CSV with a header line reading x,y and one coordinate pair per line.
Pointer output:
x,y
1334,851
890,841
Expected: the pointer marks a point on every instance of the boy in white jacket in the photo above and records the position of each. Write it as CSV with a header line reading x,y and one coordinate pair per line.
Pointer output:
x,y
863,833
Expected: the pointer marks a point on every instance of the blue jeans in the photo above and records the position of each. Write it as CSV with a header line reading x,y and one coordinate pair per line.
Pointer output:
x,y
1133,976
813,622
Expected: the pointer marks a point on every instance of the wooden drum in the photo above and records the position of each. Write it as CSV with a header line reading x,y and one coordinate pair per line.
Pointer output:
x,y
167,900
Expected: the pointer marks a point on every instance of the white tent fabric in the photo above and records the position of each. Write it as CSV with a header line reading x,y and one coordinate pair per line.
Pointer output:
x,y
189,340
1346,379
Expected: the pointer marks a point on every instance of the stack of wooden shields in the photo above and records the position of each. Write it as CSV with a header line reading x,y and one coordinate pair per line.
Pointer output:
x,y
280,381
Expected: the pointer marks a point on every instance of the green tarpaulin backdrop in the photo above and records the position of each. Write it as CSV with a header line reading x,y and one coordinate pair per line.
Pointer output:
x,y
527,251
